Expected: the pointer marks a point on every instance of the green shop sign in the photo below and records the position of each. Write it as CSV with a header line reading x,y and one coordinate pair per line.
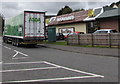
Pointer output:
x,y
34,19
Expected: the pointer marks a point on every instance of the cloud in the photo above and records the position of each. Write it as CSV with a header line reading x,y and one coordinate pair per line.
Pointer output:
x,y
10,5
10,9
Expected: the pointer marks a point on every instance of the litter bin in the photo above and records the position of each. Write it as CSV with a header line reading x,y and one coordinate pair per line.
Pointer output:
x,y
51,34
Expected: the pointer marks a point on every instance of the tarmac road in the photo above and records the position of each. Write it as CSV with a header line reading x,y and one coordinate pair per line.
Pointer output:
x,y
41,64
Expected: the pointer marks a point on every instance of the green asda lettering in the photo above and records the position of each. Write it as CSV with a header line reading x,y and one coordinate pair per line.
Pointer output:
x,y
34,19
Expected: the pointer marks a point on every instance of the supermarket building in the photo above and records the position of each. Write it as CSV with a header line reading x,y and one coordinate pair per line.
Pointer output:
x,y
86,21
70,22
82,21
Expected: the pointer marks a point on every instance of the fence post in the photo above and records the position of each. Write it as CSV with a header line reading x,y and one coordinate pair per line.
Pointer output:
x,y
109,38
78,39
118,40
67,39
92,40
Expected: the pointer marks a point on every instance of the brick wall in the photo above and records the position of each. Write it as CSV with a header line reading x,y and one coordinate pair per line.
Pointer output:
x,y
109,24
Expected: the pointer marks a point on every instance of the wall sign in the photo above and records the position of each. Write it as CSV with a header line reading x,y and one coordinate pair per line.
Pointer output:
x,y
65,18
34,19
91,13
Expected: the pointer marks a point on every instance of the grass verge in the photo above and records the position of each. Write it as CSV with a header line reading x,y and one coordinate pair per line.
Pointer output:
x,y
57,42
65,44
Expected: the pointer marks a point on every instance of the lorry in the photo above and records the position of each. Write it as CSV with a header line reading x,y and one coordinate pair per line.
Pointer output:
x,y
27,28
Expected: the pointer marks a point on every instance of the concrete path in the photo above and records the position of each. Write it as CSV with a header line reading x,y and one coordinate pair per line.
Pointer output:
x,y
112,52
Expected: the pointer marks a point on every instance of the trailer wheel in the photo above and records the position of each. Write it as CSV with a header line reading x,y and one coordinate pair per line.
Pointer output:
x,y
17,43
13,42
6,40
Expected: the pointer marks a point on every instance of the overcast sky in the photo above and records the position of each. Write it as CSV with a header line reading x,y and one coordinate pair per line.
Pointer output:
x,y
10,9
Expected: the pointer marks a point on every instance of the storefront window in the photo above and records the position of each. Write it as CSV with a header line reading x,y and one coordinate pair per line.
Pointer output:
x,y
66,31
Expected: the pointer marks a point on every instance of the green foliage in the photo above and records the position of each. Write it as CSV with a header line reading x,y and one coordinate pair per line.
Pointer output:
x,y
56,43
117,4
67,10
112,4
64,10
78,10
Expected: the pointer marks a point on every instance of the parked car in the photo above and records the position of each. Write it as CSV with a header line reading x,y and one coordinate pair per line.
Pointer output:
x,y
76,33
59,36
66,35
101,31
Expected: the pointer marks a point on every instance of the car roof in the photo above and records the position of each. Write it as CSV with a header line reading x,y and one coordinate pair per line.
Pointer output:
x,y
105,29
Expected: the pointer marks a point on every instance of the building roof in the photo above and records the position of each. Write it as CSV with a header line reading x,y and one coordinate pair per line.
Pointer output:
x,y
110,13
97,12
69,18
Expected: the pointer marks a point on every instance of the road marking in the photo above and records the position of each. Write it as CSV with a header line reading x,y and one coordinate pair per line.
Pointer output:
x,y
0,62
1,45
25,62
52,64
20,58
74,70
52,79
18,52
7,47
55,67
15,54
29,69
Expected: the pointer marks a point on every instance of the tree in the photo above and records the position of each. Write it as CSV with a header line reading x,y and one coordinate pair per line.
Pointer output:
x,y
112,4
117,4
64,10
78,10
60,12
67,10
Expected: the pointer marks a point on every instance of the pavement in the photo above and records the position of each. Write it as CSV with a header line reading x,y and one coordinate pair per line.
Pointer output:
x,y
111,52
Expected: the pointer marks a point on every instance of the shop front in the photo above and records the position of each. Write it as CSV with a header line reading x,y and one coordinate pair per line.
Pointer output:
x,y
68,23
69,28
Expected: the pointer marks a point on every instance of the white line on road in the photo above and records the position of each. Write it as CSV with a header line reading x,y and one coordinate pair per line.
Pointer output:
x,y
7,47
52,79
74,70
0,62
1,45
18,52
15,54
25,62
29,69
52,64
20,58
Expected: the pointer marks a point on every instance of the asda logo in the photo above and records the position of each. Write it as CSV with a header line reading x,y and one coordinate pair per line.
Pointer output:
x,y
34,19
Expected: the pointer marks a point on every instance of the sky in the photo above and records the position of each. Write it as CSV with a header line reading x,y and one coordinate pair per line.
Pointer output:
x,y
13,8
